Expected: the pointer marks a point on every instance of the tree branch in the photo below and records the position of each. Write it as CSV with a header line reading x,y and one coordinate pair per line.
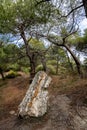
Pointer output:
x,y
71,11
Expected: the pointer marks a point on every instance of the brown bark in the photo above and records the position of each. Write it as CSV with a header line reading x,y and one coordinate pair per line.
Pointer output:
x,y
32,72
30,55
2,75
75,59
43,60
70,64
68,49
32,67
85,6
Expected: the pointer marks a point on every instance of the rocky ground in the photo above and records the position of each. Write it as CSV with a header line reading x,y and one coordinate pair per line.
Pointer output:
x,y
67,108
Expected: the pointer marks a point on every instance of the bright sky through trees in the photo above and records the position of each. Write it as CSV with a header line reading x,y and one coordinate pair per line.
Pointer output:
x,y
83,25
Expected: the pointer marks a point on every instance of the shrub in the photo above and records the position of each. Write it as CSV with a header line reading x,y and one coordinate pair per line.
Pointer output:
x,y
14,67
12,74
51,62
25,69
50,69
39,68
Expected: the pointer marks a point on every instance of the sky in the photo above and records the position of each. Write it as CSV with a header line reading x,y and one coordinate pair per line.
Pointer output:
x,y
83,25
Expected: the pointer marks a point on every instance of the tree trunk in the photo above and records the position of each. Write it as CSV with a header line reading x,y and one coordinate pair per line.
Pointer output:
x,y
30,55
43,60
70,64
1,72
85,6
33,60
75,59
32,70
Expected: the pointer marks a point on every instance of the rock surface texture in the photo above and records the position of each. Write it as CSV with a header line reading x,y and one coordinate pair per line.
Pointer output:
x,y
36,99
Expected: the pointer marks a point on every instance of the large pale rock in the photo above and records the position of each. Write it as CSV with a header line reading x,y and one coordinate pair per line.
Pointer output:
x,y
35,101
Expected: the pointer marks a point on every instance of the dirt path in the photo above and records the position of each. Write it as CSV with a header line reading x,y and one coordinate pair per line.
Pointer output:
x,y
62,113
60,116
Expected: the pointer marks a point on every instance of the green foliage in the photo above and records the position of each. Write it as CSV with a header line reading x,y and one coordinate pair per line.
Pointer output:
x,y
50,69
24,12
51,62
25,69
14,67
80,42
85,62
39,68
85,65
18,17
62,70
36,44
12,74
10,58
63,32
9,54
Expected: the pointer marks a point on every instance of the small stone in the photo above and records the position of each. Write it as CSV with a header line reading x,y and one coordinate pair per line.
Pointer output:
x,y
35,101
12,112
15,114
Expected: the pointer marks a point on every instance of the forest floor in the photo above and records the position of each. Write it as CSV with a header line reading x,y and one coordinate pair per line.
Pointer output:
x,y
67,108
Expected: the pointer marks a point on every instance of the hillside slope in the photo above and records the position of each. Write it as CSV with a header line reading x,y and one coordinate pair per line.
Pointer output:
x,y
67,108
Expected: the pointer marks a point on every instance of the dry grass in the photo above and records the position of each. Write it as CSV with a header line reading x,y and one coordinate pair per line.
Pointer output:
x,y
11,95
67,84
12,91
74,87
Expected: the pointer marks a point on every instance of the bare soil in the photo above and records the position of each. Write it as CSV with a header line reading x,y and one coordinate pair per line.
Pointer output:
x,y
67,107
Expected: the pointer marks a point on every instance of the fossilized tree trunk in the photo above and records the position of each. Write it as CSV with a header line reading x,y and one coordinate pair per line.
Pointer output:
x,y
35,101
